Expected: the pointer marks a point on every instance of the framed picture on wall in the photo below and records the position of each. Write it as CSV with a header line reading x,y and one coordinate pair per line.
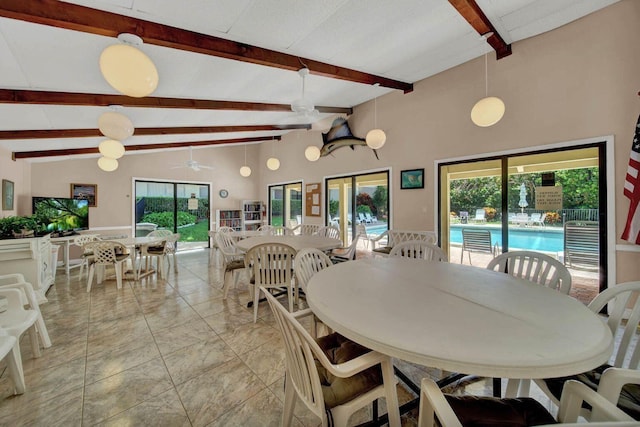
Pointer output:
x,y
410,179
85,192
7,195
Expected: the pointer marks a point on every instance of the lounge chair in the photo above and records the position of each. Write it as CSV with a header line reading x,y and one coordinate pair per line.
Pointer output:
x,y
476,241
370,218
362,218
479,216
537,219
464,217
520,219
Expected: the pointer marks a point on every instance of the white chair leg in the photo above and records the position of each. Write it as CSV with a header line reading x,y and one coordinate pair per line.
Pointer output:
x,y
289,402
225,285
33,338
90,278
14,363
390,393
42,331
256,300
118,268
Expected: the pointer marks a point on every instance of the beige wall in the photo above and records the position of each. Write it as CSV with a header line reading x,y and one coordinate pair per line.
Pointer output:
x,y
579,81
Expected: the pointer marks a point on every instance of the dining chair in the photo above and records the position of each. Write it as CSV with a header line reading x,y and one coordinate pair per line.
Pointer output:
x,y
266,230
16,320
623,306
467,410
150,251
417,249
271,265
170,250
333,376
29,299
361,230
107,253
225,229
214,246
232,259
307,229
307,263
329,231
345,254
535,267
10,354
81,242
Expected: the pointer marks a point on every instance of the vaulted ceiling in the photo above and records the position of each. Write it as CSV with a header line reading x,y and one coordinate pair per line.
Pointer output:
x,y
228,68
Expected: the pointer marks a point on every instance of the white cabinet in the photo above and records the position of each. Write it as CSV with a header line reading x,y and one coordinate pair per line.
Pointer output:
x,y
252,214
32,258
229,218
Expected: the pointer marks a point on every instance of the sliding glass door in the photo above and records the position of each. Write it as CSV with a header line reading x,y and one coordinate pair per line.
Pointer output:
x,y
285,204
177,206
551,201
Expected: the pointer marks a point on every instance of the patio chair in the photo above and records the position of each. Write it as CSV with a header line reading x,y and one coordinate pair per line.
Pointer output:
x,y
537,219
361,230
308,262
476,241
81,241
329,231
362,218
582,245
480,216
535,267
458,411
107,253
370,218
345,254
271,265
232,258
266,230
623,304
332,376
10,355
417,249
464,217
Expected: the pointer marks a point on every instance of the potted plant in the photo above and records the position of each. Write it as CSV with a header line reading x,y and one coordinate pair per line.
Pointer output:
x,y
18,226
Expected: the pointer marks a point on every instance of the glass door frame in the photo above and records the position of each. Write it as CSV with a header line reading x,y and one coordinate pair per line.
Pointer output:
x,y
174,183
605,146
286,203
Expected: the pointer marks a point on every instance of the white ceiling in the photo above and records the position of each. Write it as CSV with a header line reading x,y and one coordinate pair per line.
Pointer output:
x,y
406,40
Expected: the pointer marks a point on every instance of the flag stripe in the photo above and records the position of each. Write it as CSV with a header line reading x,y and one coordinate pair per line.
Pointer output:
x,y
631,190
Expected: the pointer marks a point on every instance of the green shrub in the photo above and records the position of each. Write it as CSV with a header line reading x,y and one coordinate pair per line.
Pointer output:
x,y
165,219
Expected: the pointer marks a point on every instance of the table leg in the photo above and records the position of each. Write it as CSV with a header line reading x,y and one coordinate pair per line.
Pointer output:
x,y
66,257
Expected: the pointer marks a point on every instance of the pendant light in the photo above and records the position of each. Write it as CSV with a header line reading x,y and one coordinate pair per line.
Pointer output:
x,y
376,137
127,69
107,164
115,125
245,170
111,148
490,109
312,153
272,162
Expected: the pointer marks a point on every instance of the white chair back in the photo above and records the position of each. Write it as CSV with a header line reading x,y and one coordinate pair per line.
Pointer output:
x,y
308,229
346,255
329,231
266,230
225,229
417,249
307,263
534,266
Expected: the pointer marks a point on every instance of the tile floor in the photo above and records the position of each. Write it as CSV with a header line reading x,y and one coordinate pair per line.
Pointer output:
x,y
158,353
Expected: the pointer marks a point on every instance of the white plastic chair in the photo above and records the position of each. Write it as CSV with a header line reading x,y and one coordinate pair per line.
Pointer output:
x,y
473,408
16,320
105,254
10,354
307,229
417,249
29,298
306,356
225,229
623,306
170,250
535,267
155,250
214,246
81,241
266,230
232,258
329,231
307,263
345,254
361,230
271,265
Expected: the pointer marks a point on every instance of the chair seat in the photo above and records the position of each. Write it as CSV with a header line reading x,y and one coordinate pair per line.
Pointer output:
x,y
629,400
234,265
337,391
476,411
383,250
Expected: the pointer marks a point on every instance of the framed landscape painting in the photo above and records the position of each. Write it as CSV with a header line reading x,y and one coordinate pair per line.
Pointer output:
x,y
410,179
7,195
85,192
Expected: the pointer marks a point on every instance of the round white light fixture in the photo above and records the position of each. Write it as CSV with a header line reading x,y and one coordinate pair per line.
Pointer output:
x,y
127,69
376,138
107,164
273,163
115,125
488,111
312,153
245,171
111,148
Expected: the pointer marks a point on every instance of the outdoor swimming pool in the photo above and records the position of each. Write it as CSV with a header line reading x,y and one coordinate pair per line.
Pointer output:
x,y
545,240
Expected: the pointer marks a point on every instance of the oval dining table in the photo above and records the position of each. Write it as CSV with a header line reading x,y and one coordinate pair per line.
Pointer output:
x,y
297,242
459,318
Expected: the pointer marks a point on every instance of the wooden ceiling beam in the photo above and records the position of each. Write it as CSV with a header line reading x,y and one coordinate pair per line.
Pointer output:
x,y
94,150
472,13
85,133
80,18
14,96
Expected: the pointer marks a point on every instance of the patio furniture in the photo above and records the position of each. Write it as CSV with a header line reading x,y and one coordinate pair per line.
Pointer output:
x,y
144,228
456,411
10,355
480,216
16,320
265,229
107,253
307,263
361,230
464,217
394,237
271,265
345,254
519,219
232,259
81,241
331,374
582,245
476,241
535,267
537,219
418,250
370,218
329,231
306,229
170,250
623,305
297,242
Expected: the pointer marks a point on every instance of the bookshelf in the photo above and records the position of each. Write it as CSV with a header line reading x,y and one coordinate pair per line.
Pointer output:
x,y
252,214
229,218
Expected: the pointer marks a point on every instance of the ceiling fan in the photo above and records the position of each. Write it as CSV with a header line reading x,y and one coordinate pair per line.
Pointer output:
x,y
192,164
303,106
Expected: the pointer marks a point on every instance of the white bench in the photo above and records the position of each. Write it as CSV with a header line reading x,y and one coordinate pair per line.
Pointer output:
x,y
394,237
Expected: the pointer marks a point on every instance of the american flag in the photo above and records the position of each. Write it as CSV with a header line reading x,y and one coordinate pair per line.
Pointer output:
x,y
632,191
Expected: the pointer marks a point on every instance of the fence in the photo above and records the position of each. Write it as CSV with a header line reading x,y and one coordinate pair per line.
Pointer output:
x,y
564,215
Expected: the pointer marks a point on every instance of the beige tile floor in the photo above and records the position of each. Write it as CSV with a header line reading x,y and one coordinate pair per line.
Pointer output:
x,y
159,353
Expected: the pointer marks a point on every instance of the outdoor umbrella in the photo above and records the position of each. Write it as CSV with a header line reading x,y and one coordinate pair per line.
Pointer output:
x,y
523,198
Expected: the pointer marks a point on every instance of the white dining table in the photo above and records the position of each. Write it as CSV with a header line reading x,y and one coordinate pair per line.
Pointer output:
x,y
459,318
244,234
297,242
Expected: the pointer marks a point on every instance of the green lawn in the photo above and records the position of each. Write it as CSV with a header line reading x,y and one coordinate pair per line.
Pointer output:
x,y
194,233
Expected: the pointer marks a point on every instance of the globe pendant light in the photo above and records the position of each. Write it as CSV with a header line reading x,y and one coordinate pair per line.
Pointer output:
x,y
490,109
312,153
115,125
376,137
127,69
111,148
245,170
272,162
107,164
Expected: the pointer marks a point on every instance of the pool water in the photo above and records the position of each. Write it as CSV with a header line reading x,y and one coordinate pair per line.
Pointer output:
x,y
545,240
